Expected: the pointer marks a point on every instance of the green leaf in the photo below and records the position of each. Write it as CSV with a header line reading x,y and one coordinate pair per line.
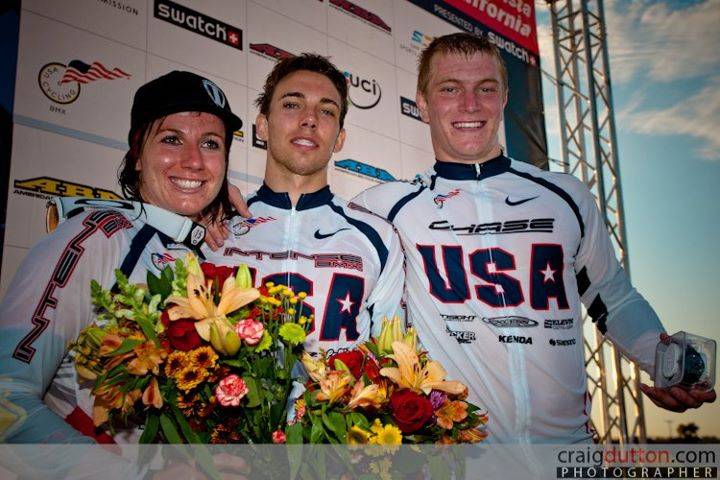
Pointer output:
x,y
188,433
277,412
127,345
253,395
317,432
147,327
372,346
153,283
294,434
168,428
151,428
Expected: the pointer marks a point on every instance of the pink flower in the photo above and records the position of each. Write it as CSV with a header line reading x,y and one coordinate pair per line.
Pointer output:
x,y
278,436
250,331
230,391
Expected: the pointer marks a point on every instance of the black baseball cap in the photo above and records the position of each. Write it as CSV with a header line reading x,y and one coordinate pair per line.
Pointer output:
x,y
180,91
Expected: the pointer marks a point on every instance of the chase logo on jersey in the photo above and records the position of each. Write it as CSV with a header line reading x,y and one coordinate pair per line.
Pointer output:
x,y
441,199
497,228
241,226
162,260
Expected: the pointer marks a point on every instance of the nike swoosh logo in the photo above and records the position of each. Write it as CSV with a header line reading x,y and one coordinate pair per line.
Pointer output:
x,y
320,236
519,202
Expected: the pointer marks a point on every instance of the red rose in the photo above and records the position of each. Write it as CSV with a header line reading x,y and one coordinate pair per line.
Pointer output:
x,y
217,273
353,359
183,336
410,411
165,318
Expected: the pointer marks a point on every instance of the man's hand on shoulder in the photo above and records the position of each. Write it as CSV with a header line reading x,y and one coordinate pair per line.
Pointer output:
x,y
677,399
216,231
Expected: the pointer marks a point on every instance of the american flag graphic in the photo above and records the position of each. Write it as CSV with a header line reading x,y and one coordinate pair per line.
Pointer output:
x,y
81,72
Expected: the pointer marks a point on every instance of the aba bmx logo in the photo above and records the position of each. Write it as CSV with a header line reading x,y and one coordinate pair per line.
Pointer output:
x,y
441,199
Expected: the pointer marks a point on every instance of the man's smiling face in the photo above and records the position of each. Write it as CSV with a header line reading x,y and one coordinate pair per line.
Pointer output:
x,y
464,105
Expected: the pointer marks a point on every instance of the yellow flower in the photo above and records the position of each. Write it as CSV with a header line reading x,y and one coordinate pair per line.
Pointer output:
x,y
392,331
334,386
176,361
302,295
409,374
387,435
189,378
203,357
376,427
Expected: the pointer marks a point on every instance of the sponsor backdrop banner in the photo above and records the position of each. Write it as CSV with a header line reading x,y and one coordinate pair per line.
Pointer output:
x,y
80,62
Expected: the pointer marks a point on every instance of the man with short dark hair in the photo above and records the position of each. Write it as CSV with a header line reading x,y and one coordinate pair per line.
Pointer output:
x,y
501,254
348,261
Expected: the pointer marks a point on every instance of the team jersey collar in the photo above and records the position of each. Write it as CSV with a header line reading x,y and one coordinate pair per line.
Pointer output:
x,y
282,199
472,171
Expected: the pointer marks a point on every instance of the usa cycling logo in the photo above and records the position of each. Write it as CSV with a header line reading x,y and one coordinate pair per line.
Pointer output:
x,y
364,170
242,226
161,260
441,199
363,93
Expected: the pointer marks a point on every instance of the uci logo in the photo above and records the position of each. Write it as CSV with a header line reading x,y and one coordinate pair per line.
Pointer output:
x,y
363,94
214,92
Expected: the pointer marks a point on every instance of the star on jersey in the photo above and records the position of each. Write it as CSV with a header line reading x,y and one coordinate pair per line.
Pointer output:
x,y
548,274
346,303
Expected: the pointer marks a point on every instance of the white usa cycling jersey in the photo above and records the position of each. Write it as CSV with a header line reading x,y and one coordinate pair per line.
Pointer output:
x,y
348,261
48,303
499,257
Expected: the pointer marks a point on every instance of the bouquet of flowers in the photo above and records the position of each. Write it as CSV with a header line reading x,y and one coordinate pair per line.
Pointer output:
x,y
197,355
385,392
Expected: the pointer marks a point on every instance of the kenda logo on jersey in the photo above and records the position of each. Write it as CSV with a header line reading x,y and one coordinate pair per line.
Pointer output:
x,y
409,108
270,52
365,15
363,93
497,228
47,187
364,170
515,339
199,23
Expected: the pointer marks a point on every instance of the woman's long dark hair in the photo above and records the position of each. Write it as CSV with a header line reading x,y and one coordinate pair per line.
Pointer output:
x,y
220,208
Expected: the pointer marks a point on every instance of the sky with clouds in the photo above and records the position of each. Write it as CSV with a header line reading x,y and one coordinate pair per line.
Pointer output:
x,y
665,72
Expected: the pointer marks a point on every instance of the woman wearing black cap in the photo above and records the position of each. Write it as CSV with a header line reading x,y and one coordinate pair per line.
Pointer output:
x,y
180,136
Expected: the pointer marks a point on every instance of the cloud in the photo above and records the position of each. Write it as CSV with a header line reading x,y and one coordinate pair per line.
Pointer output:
x,y
698,116
652,41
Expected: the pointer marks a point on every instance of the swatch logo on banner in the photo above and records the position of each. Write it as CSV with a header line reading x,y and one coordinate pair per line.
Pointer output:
x,y
363,94
46,187
270,51
61,83
409,108
364,170
197,22
365,15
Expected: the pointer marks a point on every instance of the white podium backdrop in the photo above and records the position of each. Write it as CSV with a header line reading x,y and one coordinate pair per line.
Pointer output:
x,y
80,62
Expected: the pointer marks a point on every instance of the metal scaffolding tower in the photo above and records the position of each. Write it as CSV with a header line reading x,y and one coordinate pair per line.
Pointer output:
x,y
589,151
